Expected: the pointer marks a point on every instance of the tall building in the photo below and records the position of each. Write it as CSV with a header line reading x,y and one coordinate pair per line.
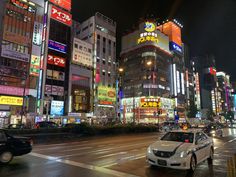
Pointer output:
x,y
145,66
80,88
55,59
20,48
206,76
178,85
226,99
100,31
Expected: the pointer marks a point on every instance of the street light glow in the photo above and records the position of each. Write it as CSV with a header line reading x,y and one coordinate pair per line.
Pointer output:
x,y
149,63
121,69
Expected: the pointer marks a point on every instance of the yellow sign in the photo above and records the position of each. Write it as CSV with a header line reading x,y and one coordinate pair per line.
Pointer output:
x,y
149,27
10,100
148,38
150,103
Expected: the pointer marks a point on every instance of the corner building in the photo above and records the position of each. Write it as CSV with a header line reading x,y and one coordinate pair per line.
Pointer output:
x,y
145,77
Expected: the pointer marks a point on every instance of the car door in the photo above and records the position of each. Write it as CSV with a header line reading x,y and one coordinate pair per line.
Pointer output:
x,y
207,144
3,141
199,147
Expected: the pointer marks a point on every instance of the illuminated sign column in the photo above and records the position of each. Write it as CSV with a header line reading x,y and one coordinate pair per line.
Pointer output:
x,y
197,93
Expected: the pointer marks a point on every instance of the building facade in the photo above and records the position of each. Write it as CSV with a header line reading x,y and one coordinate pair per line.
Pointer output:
x,y
100,31
20,48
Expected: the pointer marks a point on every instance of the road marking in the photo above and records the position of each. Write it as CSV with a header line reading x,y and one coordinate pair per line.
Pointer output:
x,y
232,140
109,155
125,159
83,165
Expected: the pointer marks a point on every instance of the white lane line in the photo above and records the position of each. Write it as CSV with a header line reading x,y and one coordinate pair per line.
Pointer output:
x,y
124,160
82,165
60,144
114,154
232,140
75,149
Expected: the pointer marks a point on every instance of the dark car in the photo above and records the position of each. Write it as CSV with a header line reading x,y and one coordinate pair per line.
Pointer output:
x,y
11,146
213,129
16,126
46,124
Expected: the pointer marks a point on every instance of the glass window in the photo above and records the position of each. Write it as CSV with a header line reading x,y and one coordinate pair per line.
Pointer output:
x,y
179,137
2,136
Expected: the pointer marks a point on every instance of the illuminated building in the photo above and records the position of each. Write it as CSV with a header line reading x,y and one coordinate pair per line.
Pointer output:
x,y
100,31
20,48
224,92
173,29
146,63
54,69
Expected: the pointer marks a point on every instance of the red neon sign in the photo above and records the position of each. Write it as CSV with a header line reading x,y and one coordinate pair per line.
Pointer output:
x,y
65,4
55,60
61,16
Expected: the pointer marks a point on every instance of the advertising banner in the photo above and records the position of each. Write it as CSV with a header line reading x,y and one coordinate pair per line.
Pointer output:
x,y
82,53
54,90
10,53
175,47
57,108
106,95
56,75
55,60
37,35
10,100
34,65
65,4
57,46
13,90
16,38
61,16
150,102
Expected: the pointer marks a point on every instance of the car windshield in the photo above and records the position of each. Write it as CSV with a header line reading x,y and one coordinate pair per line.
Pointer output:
x,y
179,137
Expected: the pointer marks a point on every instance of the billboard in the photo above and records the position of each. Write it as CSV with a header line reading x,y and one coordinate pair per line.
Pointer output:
x,y
37,34
173,31
34,65
55,75
57,46
10,100
175,47
65,4
16,38
9,52
61,16
55,60
13,90
57,108
54,90
150,102
106,95
82,53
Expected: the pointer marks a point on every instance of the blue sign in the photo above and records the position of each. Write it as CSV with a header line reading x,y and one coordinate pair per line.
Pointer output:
x,y
175,47
57,46
57,108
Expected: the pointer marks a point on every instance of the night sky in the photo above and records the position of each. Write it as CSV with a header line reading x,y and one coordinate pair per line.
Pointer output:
x,y
209,25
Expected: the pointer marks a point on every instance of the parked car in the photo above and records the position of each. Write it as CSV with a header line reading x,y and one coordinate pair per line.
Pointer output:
x,y
181,150
46,124
16,126
11,146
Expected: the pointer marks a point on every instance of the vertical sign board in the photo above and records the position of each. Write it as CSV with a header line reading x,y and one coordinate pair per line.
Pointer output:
x,y
61,16
65,4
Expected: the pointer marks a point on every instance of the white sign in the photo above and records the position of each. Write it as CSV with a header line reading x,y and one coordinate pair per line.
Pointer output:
x,y
10,53
82,53
37,35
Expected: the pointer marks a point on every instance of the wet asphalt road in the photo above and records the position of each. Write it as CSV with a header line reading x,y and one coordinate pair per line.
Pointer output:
x,y
120,156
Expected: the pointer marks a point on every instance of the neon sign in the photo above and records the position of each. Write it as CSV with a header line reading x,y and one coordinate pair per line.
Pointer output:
x,y
149,27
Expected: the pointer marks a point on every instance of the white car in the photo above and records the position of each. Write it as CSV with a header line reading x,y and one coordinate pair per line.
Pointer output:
x,y
181,150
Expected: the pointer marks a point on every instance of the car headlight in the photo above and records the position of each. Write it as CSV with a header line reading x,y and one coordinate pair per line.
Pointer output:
x,y
184,154
149,150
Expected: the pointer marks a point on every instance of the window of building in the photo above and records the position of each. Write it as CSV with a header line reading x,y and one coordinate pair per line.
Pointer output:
x,y
98,36
76,46
85,28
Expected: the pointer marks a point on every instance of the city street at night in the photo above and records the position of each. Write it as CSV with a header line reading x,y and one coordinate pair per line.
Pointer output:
x,y
123,155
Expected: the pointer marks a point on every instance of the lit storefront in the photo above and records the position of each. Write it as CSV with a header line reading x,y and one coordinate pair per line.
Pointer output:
x,y
145,109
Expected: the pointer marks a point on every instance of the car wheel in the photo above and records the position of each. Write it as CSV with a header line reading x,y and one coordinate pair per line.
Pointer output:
x,y
6,157
210,158
193,163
